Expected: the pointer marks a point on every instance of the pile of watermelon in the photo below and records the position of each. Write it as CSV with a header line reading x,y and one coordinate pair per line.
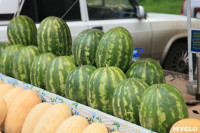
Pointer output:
x,y
95,70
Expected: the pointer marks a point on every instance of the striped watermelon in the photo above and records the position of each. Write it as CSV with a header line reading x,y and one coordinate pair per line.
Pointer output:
x,y
101,86
54,36
115,49
57,72
76,83
126,99
3,45
23,61
7,59
85,45
148,70
22,30
39,68
161,106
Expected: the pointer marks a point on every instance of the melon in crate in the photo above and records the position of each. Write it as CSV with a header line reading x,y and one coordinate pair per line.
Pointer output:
x,y
23,61
188,125
52,118
12,94
161,106
148,70
115,49
73,124
22,30
126,99
19,109
57,72
85,45
96,128
3,110
54,36
76,83
4,88
39,69
34,116
101,86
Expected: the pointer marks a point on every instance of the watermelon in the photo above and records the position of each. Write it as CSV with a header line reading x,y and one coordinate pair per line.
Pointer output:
x,y
101,86
23,61
54,36
161,106
115,49
57,72
7,59
3,45
148,70
85,45
22,30
39,68
76,83
126,99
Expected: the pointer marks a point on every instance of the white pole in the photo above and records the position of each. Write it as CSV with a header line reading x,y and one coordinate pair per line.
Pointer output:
x,y
189,41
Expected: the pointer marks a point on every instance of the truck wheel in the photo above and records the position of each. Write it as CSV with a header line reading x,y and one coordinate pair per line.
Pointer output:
x,y
177,58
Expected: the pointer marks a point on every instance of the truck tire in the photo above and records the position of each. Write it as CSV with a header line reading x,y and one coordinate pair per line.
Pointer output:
x,y
177,58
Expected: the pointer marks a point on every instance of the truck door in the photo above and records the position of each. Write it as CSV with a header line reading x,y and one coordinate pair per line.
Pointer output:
x,y
106,14
40,9
7,10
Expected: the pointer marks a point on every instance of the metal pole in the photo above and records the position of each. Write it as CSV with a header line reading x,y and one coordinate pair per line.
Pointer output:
x,y
189,41
198,77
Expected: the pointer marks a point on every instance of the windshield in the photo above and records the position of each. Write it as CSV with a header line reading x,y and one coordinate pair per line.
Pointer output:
x,y
110,9
123,4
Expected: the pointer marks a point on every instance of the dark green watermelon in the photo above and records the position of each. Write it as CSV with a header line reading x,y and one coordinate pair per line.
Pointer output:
x,y
85,45
126,99
39,68
101,86
148,70
161,106
76,83
115,49
22,30
57,72
54,36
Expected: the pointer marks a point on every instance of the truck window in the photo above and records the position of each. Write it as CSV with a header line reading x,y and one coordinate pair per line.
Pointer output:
x,y
6,16
110,9
40,9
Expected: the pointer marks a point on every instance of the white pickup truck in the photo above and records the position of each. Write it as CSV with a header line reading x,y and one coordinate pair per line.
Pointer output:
x,y
162,36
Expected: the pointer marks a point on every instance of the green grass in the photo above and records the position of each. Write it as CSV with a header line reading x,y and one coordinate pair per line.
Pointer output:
x,y
162,6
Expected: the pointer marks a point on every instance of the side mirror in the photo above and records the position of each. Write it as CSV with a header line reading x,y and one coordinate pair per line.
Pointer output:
x,y
198,15
8,6
140,12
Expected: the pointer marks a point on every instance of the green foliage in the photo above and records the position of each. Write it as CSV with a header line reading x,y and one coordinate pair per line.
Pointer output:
x,y
158,6
162,6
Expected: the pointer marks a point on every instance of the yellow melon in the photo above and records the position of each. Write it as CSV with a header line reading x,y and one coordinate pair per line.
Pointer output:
x,y
11,95
4,88
34,116
96,128
73,124
3,110
19,109
52,118
188,125
1,82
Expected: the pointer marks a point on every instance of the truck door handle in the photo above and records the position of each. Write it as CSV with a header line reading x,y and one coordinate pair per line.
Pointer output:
x,y
98,27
